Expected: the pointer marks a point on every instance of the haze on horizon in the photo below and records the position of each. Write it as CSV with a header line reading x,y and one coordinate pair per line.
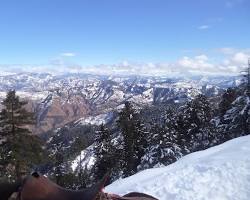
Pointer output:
x,y
116,36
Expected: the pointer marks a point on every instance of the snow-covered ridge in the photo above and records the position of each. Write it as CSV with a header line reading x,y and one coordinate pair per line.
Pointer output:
x,y
113,90
96,120
218,173
60,99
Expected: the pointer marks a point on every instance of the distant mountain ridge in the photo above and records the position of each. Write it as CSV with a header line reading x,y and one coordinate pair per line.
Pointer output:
x,y
60,99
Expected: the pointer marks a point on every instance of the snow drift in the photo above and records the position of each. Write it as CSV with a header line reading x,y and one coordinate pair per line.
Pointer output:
x,y
218,173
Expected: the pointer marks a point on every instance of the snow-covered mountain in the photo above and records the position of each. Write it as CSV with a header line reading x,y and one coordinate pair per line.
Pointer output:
x,y
60,99
220,173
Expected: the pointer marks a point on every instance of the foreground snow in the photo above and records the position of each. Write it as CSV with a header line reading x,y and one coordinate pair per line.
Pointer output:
x,y
218,173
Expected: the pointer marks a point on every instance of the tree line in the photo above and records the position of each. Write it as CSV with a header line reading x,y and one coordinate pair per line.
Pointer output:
x,y
139,139
160,135
20,150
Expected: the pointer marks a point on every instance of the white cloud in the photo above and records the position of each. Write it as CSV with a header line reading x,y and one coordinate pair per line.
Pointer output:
x,y
240,58
201,57
232,62
204,27
196,64
68,54
200,64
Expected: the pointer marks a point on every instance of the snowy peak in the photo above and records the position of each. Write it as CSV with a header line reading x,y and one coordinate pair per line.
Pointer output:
x,y
221,173
61,99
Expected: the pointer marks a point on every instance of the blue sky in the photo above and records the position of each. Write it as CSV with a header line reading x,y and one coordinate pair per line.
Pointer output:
x,y
94,32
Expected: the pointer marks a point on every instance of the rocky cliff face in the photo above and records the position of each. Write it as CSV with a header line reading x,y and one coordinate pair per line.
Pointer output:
x,y
59,112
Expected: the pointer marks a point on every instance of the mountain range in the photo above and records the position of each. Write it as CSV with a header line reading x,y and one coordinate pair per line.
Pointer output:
x,y
77,97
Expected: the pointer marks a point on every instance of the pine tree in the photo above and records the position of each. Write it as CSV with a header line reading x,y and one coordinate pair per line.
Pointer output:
x,y
127,127
104,153
140,138
227,98
134,143
79,144
183,139
193,124
163,148
59,169
246,79
20,149
62,172
236,119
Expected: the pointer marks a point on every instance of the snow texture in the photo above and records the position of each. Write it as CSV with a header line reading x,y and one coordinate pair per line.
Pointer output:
x,y
86,159
218,173
96,120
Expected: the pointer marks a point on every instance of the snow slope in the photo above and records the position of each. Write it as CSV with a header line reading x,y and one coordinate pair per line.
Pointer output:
x,y
218,173
86,159
96,120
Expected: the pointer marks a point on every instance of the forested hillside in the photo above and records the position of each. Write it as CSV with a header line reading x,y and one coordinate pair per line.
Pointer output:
x,y
125,140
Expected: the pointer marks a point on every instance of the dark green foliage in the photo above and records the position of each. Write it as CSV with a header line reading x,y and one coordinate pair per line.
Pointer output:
x,y
68,180
162,146
127,126
141,140
59,167
105,153
193,123
20,150
78,146
61,163
64,145
134,139
246,79
227,98
236,121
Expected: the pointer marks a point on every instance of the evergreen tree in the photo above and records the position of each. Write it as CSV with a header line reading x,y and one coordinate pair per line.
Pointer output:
x,y
194,126
183,138
140,138
162,148
236,121
246,79
20,150
127,127
78,146
62,172
104,153
134,143
227,98
59,169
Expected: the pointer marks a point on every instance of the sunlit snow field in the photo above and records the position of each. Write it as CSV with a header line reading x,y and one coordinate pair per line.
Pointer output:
x,y
218,173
